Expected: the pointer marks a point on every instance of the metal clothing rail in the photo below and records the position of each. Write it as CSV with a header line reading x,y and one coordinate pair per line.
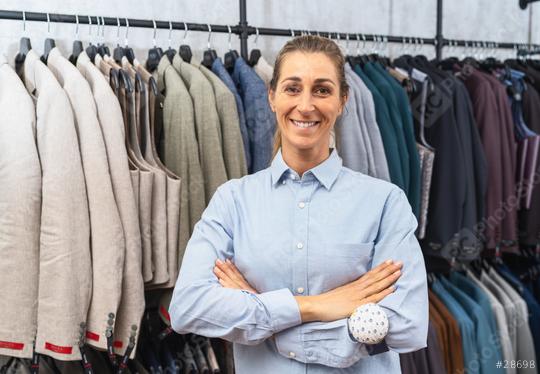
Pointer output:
x,y
244,30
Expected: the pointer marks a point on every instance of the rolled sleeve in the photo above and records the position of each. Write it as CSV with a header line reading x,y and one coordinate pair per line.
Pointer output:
x,y
282,308
324,343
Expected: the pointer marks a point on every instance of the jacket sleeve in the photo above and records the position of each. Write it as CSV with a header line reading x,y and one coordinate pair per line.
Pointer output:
x,y
329,343
201,305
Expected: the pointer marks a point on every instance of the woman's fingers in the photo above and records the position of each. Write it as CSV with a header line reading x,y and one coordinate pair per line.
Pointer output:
x,y
379,296
380,272
380,285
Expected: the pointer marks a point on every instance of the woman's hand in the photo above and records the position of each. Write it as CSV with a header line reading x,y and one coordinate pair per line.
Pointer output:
x,y
340,302
230,277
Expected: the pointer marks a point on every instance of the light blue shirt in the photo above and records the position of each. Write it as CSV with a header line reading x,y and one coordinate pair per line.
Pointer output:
x,y
301,236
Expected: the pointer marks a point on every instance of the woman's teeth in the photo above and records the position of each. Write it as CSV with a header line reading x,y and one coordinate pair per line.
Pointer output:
x,y
303,124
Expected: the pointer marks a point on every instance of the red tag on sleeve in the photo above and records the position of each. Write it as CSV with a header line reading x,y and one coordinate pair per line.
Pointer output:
x,y
165,313
11,345
58,349
92,336
118,344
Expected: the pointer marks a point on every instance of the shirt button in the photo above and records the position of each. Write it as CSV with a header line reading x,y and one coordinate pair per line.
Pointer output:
x,y
300,245
301,205
283,182
300,290
292,354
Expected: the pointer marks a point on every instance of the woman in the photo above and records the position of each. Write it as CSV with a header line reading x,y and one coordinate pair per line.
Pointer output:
x,y
281,258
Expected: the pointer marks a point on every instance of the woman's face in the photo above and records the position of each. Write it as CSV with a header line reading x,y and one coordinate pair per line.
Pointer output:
x,y
306,101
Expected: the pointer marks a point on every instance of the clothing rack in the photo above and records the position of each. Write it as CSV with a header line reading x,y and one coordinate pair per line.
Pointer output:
x,y
244,30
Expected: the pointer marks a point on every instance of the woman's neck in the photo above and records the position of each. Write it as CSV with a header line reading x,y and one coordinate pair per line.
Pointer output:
x,y
301,160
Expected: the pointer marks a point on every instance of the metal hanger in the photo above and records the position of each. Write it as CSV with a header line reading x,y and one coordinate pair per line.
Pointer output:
x,y
77,44
209,55
170,51
118,52
255,53
154,54
230,57
185,51
49,42
91,50
127,50
103,49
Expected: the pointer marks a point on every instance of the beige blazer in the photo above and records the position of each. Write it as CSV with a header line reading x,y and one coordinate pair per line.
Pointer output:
x,y
132,302
106,232
65,272
179,148
110,120
264,70
20,210
206,124
232,144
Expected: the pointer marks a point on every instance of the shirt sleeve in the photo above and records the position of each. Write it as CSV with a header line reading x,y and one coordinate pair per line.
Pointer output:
x,y
330,344
407,307
202,306
324,343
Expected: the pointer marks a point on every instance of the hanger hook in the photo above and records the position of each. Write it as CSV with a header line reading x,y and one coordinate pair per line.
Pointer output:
x,y
24,21
357,44
76,27
170,34
230,37
347,43
127,31
256,35
185,31
363,41
292,33
118,31
97,23
103,29
89,26
155,32
48,23
209,35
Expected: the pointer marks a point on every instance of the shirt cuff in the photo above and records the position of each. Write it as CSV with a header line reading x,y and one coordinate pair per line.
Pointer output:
x,y
282,308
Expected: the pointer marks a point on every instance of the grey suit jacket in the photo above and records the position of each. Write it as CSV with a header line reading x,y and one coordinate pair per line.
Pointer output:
x,y
111,124
180,148
232,144
65,271
372,129
525,343
502,323
20,207
106,232
207,125
351,139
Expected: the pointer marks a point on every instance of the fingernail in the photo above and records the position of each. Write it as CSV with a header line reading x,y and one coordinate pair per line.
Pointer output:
x,y
399,263
227,260
388,262
219,261
398,272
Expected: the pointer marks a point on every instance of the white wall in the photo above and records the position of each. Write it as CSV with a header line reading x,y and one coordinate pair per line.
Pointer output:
x,y
498,20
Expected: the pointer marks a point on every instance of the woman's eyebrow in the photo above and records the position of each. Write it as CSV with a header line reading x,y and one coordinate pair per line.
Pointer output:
x,y
317,81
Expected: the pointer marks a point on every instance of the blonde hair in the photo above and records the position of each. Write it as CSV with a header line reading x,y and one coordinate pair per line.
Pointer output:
x,y
309,44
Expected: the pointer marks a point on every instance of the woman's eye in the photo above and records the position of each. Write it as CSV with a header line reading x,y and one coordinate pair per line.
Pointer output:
x,y
292,89
323,91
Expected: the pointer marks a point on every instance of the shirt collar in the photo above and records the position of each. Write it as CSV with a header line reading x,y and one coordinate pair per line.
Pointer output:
x,y
326,172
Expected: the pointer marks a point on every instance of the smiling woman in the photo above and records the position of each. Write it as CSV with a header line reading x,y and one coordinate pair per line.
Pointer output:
x,y
281,258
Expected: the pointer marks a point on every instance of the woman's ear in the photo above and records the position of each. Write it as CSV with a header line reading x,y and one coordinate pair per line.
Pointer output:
x,y
271,97
344,99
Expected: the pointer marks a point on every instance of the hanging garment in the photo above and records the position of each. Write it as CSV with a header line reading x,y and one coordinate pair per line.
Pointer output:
x,y
180,148
142,179
223,74
386,129
132,303
502,322
373,132
207,125
20,211
260,120
107,243
404,110
426,165
454,342
233,147
264,70
65,270
173,182
137,104
442,336
110,119
351,138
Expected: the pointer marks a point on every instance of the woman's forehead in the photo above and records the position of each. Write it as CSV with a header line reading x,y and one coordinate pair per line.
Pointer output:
x,y
308,65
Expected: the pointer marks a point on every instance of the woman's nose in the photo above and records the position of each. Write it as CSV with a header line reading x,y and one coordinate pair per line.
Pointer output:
x,y
305,103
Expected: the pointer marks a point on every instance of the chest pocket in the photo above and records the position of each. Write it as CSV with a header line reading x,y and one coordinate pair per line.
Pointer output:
x,y
338,263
